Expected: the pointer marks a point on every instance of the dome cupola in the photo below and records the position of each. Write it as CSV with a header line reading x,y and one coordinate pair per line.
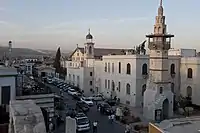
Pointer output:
x,y
89,36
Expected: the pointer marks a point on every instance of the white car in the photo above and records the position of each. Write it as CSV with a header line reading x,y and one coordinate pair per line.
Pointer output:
x,y
83,123
97,98
72,92
87,101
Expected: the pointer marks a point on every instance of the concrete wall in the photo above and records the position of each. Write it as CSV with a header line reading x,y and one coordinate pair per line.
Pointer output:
x,y
26,117
43,100
8,78
8,81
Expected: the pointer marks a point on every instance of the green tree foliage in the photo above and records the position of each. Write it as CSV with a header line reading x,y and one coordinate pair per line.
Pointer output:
x,y
57,64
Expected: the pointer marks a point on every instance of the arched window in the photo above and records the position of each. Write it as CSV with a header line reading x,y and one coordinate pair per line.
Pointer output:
x,y
108,67
189,73
143,89
113,86
189,91
85,49
128,69
128,89
172,69
161,90
159,29
113,67
90,49
172,87
105,67
144,69
119,67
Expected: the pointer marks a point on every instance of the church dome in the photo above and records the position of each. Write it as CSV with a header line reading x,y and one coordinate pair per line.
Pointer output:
x,y
89,36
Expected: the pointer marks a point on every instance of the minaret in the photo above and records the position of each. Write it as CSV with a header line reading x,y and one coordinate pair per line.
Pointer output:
x,y
158,98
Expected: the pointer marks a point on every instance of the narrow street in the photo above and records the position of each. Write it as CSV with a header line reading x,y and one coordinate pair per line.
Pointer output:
x,y
103,124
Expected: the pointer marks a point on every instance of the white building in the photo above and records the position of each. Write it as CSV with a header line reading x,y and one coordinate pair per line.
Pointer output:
x,y
138,79
7,84
45,71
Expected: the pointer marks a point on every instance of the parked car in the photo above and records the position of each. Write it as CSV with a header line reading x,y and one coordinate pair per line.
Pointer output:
x,y
111,102
98,97
105,108
83,123
80,115
72,92
77,96
87,101
82,106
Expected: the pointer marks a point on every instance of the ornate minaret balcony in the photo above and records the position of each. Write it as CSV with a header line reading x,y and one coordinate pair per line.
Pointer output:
x,y
159,45
160,39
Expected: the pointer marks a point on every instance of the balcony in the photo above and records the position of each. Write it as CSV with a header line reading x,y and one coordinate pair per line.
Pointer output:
x,y
173,75
159,45
145,75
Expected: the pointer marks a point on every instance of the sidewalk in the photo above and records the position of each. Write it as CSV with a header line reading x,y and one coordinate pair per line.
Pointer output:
x,y
137,112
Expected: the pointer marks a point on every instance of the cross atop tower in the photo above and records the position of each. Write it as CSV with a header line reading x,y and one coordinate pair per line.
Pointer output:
x,y
89,31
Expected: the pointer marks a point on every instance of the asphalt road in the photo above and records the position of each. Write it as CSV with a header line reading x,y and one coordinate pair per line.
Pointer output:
x,y
103,124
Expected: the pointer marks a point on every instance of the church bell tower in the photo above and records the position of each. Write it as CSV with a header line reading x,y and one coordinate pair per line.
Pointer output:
x,y
158,97
89,50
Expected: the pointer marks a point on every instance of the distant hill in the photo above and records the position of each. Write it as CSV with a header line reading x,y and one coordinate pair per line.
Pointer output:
x,y
53,52
20,52
26,52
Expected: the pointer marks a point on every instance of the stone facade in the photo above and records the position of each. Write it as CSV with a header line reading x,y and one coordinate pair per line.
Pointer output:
x,y
26,117
158,97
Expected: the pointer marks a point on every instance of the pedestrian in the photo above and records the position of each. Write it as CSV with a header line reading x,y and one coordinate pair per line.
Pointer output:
x,y
109,118
50,126
99,108
128,129
112,117
95,127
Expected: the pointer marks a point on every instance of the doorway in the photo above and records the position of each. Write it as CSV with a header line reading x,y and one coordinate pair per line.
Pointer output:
x,y
46,117
5,95
43,74
165,108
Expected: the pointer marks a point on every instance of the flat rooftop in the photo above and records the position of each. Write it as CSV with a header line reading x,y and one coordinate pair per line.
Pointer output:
x,y
181,125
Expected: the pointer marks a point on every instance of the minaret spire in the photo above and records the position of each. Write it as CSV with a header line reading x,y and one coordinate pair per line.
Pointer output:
x,y
161,2
160,9
89,31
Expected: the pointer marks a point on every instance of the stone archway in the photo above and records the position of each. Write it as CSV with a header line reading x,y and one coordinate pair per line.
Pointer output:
x,y
165,109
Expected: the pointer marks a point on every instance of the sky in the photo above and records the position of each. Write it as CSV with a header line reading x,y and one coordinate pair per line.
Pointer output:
x,y
48,24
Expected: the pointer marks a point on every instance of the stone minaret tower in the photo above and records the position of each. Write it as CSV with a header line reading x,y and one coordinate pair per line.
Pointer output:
x,y
89,50
158,98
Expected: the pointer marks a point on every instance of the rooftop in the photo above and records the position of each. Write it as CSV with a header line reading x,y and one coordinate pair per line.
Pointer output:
x,y
7,71
180,125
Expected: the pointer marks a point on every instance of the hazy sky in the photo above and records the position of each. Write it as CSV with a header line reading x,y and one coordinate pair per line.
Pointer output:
x,y
48,24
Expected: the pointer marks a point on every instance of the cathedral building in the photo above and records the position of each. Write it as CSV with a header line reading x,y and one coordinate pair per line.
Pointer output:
x,y
150,81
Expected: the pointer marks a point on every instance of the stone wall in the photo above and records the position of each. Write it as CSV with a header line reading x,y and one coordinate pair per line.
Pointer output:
x,y
26,117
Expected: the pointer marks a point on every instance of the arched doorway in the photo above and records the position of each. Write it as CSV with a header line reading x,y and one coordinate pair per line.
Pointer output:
x,y
165,108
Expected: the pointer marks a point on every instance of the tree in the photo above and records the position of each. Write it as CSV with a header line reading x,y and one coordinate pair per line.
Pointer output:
x,y
57,64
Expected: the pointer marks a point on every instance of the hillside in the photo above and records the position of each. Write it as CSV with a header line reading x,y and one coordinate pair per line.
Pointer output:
x,y
20,52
